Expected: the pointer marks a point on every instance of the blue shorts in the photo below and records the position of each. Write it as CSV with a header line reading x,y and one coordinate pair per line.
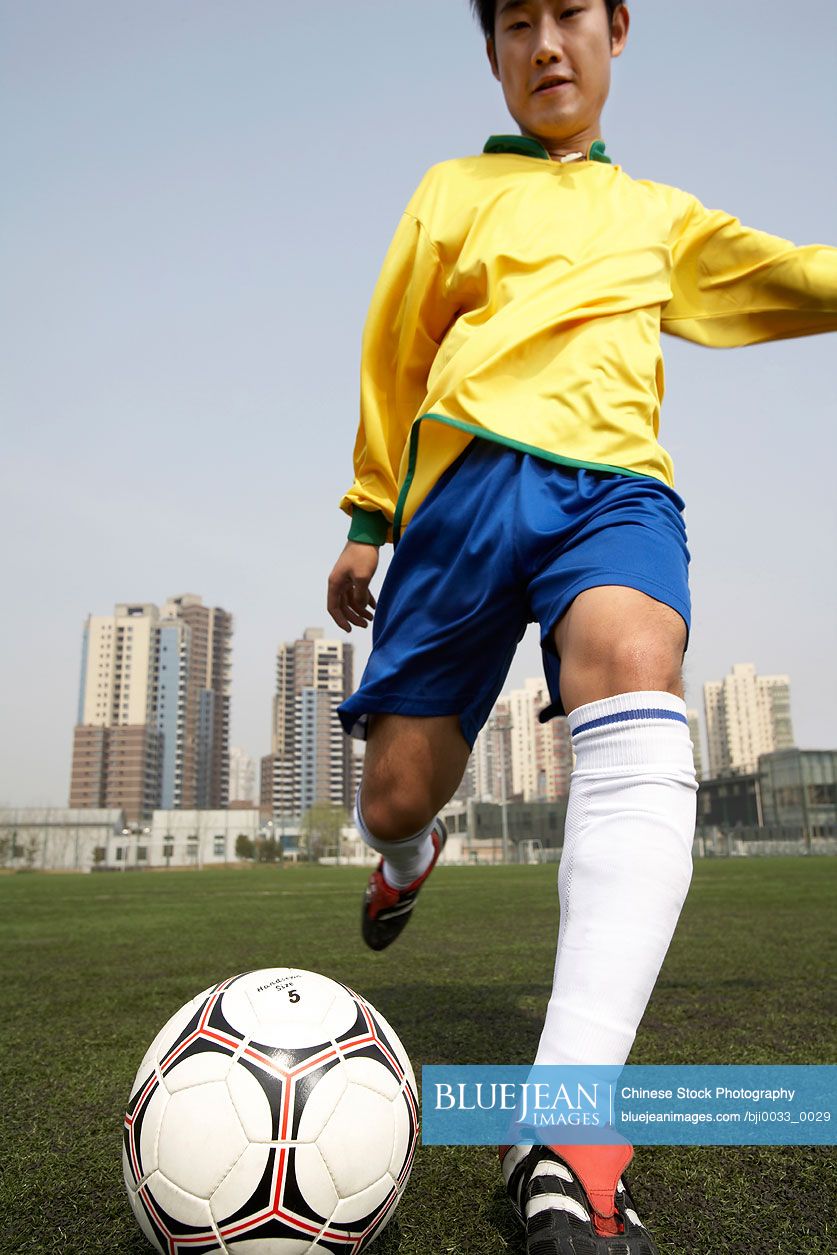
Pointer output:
x,y
503,539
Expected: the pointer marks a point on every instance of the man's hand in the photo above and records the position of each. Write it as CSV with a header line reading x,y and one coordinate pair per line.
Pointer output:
x,y
348,585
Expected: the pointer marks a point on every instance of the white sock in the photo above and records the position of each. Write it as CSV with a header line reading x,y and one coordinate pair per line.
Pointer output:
x,y
404,860
624,874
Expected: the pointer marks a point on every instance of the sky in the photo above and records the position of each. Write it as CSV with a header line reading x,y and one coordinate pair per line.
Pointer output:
x,y
196,201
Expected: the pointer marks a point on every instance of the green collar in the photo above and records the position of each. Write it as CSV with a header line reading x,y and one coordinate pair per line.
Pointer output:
x,y
525,146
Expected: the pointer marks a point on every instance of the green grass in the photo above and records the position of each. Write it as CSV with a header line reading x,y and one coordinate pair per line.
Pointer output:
x,y
92,966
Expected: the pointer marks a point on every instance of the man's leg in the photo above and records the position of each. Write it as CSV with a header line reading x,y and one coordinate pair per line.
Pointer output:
x,y
625,870
412,768
450,614
617,640
627,859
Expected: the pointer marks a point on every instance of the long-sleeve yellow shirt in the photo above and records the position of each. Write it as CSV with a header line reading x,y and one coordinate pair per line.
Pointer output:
x,y
522,299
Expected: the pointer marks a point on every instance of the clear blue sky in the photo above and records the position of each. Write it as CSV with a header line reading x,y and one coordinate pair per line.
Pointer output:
x,y
196,199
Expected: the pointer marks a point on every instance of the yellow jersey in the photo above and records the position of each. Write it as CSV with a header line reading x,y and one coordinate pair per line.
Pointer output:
x,y
522,299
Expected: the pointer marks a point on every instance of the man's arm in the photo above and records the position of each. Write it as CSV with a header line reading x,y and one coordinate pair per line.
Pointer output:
x,y
408,316
407,319
732,285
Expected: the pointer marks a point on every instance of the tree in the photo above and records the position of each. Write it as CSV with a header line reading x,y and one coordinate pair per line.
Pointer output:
x,y
268,850
320,829
244,847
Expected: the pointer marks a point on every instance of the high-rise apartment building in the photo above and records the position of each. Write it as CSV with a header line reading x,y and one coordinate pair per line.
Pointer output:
x,y
152,727
694,732
746,715
492,757
311,758
541,753
205,688
243,782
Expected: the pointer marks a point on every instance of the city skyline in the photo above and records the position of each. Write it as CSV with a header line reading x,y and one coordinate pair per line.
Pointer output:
x,y
311,760
188,274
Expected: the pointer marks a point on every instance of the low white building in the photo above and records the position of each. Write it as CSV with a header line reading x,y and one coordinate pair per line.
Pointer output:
x,y
191,838
54,839
51,838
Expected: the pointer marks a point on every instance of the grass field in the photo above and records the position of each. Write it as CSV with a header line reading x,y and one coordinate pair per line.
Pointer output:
x,y
93,965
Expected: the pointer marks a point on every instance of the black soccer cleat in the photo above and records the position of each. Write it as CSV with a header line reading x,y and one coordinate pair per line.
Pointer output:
x,y
557,1214
387,911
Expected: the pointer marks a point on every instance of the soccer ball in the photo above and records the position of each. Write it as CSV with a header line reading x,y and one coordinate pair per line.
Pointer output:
x,y
274,1114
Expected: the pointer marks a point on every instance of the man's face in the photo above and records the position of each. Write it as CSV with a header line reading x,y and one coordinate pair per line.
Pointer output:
x,y
552,58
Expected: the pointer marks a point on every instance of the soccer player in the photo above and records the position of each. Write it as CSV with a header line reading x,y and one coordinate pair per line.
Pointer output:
x,y
511,382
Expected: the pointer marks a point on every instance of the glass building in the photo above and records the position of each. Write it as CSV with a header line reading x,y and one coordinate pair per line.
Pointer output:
x,y
799,790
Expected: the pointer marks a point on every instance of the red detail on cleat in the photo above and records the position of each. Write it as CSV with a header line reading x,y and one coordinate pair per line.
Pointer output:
x,y
436,838
608,1227
598,1168
384,895
502,1151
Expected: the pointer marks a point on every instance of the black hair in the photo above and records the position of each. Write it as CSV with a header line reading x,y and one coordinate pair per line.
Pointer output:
x,y
486,11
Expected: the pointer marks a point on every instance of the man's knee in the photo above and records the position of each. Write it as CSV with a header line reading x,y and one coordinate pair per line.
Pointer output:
x,y
618,640
411,770
391,815
642,658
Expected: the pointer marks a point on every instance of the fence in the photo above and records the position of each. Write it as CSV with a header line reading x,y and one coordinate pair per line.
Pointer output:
x,y
750,842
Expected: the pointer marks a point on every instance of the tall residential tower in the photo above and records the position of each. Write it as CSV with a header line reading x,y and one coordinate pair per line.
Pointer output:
x,y
152,728
311,757
541,753
746,715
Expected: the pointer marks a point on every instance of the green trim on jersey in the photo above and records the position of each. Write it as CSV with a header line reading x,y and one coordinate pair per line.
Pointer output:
x,y
525,146
520,144
484,434
597,152
369,527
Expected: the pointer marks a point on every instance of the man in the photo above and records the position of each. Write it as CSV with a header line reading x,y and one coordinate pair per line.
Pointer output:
x,y
510,393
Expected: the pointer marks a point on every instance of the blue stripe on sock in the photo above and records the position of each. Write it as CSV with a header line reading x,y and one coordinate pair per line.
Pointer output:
x,y
621,715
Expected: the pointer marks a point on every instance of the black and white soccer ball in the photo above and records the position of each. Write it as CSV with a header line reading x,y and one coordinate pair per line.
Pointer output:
x,y
275,1114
